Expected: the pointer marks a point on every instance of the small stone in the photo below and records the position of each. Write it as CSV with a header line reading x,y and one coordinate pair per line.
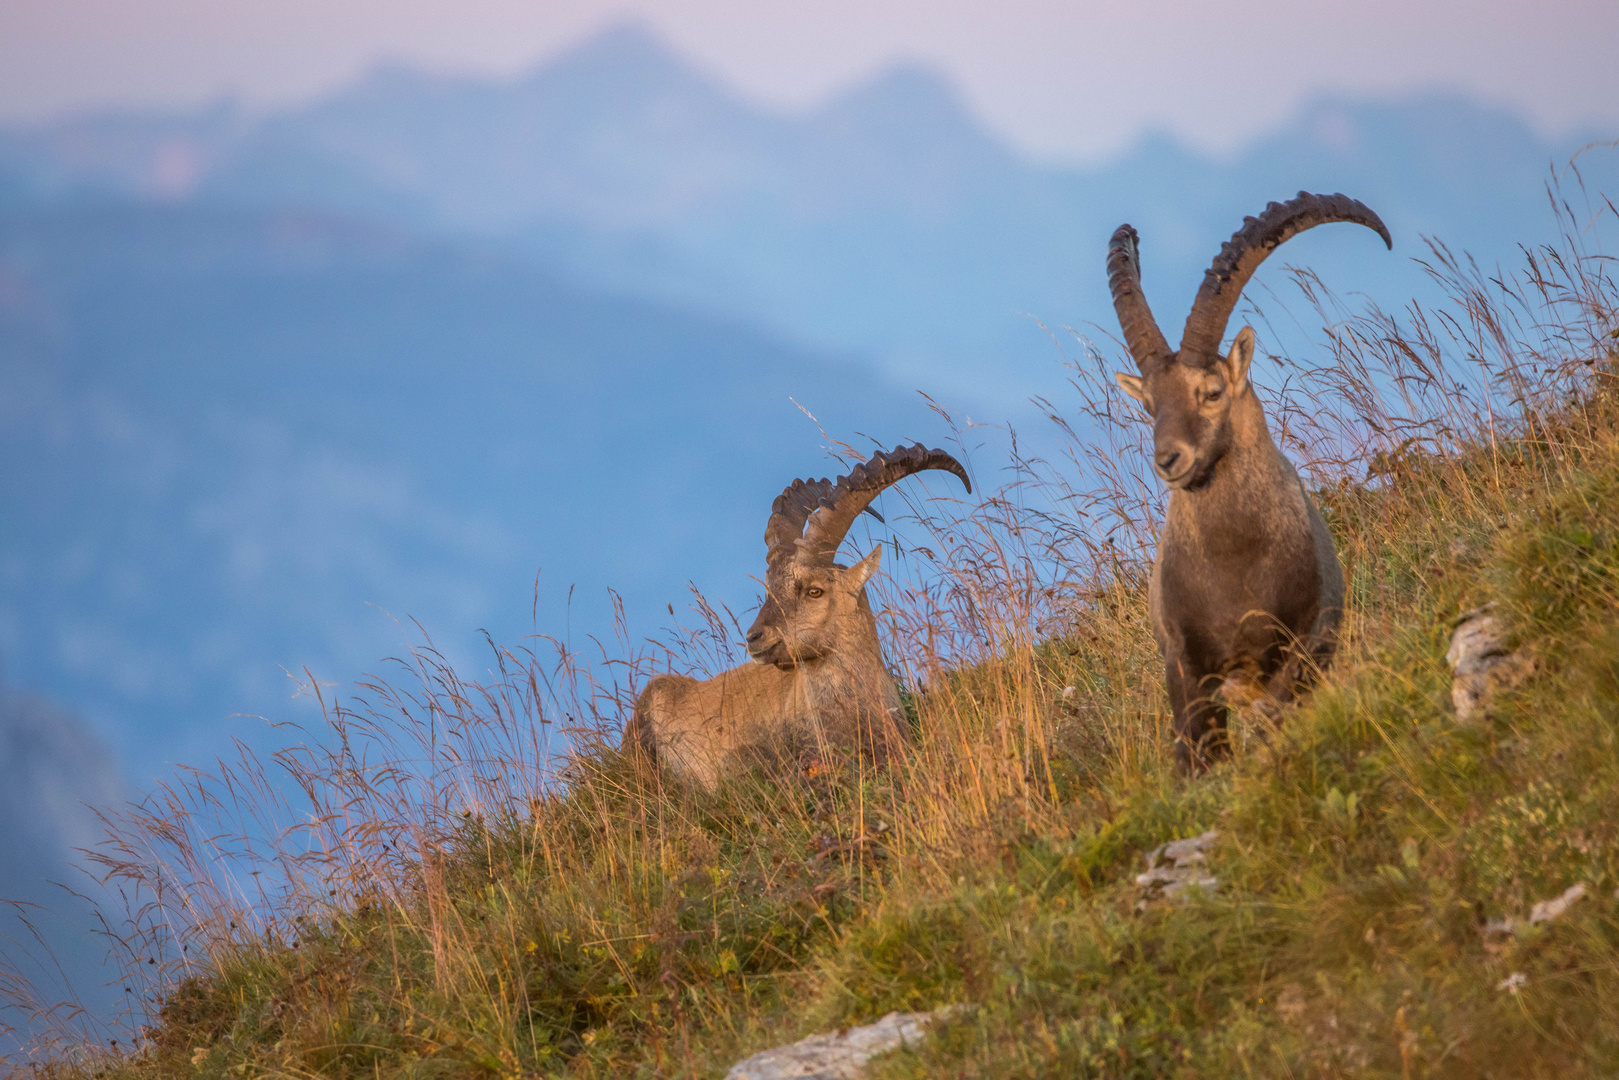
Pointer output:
x,y
839,1055
1555,908
1174,867
1207,884
1190,850
1068,693
1482,662
1158,875
1478,637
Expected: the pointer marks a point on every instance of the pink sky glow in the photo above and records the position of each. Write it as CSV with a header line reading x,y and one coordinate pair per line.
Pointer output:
x,y
1074,81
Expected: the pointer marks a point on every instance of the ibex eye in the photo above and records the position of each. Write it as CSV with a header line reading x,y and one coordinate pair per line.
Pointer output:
x,y
813,593
1212,395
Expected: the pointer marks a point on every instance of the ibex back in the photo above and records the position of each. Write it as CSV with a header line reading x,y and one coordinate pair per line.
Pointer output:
x,y
1246,592
818,670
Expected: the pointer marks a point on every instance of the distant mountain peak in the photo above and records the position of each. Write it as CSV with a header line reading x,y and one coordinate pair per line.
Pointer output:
x,y
910,85
912,97
627,55
913,114
628,42
394,78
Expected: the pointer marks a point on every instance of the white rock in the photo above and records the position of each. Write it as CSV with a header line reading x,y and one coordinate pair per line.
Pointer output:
x,y
1482,662
1189,851
1174,867
838,1055
1158,875
1207,884
1478,637
1543,912
1547,910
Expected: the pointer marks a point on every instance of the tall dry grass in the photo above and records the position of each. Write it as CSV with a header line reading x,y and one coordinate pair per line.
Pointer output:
x,y
460,868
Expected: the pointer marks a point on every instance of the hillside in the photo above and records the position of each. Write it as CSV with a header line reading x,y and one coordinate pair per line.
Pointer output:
x,y
442,902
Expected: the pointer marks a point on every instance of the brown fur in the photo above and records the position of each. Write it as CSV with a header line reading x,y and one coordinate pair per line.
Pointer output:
x,y
818,682
1246,591
818,685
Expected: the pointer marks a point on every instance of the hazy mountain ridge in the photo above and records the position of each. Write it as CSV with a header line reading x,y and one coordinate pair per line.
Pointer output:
x,y
622,134
884,222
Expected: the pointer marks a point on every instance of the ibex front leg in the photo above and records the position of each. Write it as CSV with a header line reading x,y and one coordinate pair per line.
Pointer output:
x,y
1199,720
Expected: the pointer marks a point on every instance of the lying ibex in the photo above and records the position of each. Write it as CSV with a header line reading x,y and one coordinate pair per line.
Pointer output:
x,y
1246,590
819,669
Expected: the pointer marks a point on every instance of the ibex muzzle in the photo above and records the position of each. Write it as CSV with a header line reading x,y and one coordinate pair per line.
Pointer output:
x,y
805,609
1246,592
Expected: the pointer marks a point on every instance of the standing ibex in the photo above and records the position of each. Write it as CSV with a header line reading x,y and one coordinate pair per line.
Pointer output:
x,y
1246,590
819,669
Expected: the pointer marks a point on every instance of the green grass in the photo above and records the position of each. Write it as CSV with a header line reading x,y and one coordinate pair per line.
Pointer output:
x,y
612,923
630,928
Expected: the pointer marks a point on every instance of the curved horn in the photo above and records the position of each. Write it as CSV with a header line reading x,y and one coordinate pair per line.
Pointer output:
x,y
1241,255
1141,333
789,512
829,522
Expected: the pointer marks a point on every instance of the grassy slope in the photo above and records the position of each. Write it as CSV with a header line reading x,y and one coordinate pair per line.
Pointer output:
x,y
628,930
626,926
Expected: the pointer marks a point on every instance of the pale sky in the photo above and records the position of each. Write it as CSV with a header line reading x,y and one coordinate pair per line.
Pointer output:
x,y
1074,81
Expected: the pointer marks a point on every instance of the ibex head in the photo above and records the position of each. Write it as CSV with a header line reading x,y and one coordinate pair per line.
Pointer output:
x,y
1200,401
809,599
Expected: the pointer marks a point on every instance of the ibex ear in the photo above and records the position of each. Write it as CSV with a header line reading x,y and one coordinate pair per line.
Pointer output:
x,y
862,571
1132,385
1238,361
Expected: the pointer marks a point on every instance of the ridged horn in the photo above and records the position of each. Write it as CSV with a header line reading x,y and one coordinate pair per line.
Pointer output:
x,y
1248,247
787,516
834,514
789,512
1141,334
